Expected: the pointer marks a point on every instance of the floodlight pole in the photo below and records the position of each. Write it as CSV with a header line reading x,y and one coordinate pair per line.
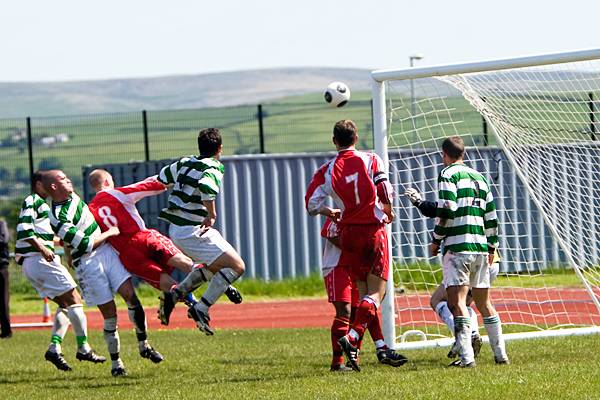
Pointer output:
x,y
411,59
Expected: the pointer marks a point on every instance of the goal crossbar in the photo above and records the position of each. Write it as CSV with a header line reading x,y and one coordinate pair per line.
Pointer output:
x,y
483,66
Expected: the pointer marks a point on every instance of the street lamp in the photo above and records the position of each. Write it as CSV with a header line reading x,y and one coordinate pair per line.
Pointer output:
x,y
411,59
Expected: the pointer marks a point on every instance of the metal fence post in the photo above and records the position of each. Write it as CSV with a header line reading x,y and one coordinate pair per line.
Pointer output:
x,y
30,146
261,131
486,139
146,145
592,115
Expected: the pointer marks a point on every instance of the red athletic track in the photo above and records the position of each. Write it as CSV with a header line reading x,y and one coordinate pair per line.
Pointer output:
x,y
516,305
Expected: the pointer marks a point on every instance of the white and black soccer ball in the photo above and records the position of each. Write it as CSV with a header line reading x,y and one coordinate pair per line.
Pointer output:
x,y
337,94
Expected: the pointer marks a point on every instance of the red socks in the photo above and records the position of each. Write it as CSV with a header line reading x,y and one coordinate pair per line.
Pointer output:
x,y
375,328
365,313
339,328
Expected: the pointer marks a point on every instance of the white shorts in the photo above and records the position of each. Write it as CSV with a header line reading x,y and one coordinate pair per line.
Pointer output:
x,y
49,278
100,275
202,248
466,269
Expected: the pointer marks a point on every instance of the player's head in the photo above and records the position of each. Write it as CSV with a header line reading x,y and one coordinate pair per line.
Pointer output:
x,y
210,143
57,184
453,149
345,134
36,183
100,179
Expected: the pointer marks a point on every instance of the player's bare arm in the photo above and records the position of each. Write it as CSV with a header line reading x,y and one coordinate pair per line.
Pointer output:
x,y
39,246
210,219
100,239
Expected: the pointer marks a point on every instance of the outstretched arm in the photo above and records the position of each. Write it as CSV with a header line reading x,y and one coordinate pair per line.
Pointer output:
x,y
446,207
427,208
150,186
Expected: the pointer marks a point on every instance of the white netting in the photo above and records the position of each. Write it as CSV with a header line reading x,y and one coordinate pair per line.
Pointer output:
x,y
548,207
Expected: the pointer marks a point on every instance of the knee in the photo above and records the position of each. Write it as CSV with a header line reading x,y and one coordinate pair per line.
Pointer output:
x,y
133,300
181,262
453,308
342,310
129,296
433,303
486,309
239,266
108,310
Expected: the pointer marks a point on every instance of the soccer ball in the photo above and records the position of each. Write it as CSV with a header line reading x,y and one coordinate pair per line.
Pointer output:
x,y
337,94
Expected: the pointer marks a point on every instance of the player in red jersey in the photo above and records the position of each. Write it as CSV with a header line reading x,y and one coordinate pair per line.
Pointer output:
x,y
144,252
343,294
360,189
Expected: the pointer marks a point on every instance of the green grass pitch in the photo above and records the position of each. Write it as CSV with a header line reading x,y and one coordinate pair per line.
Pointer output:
x,y
293,364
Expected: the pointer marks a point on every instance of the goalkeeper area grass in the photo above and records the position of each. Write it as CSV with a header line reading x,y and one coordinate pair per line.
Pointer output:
x,y
293,364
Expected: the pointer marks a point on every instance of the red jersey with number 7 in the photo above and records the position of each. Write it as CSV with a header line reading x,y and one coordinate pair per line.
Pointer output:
x,y
357,182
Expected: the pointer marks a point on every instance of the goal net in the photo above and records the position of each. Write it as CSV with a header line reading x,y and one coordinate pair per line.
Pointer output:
x,y
531,127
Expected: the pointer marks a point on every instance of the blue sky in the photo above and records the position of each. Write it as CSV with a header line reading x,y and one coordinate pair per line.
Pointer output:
x,y
74,40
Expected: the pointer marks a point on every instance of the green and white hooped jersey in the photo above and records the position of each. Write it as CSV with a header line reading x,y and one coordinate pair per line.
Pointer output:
x,y
466,213
33,221
74,223
194,180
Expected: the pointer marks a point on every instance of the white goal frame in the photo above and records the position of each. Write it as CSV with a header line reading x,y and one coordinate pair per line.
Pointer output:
x,y
379,79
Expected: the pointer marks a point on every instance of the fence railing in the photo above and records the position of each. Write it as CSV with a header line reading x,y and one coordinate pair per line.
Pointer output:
x,y
70,142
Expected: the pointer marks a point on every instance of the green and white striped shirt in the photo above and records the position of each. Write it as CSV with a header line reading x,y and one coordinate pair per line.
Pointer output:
x,y
74,223
466,214
33,221
195,180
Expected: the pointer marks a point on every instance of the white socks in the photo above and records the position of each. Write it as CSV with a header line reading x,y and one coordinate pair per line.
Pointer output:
x,y
217,286
137,316
197,276
111,337
494,331
445,315
59,330
463,338
474,322
79,322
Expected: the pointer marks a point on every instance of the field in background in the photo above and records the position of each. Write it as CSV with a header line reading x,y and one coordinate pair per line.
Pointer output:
x,y
296,124
293,364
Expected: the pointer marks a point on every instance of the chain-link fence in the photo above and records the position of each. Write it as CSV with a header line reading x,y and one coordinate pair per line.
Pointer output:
x,y
70,142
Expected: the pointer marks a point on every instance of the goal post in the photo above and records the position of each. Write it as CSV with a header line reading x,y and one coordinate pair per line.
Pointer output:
x,y
543,161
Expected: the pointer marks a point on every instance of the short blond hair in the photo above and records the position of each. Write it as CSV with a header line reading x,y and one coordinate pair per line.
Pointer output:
x,y
97,177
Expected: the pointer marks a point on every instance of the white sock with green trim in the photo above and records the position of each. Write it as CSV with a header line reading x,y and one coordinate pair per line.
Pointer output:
x,y
445,315
79,323
474,322
493,326
59,330
463,338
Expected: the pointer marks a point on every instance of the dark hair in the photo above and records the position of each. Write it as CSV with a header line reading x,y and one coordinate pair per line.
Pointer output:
x,y
209,141
345,132
37,177
454,147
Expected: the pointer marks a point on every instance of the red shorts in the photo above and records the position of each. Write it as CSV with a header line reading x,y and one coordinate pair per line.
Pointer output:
x,y
146,254
365,250
341,287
